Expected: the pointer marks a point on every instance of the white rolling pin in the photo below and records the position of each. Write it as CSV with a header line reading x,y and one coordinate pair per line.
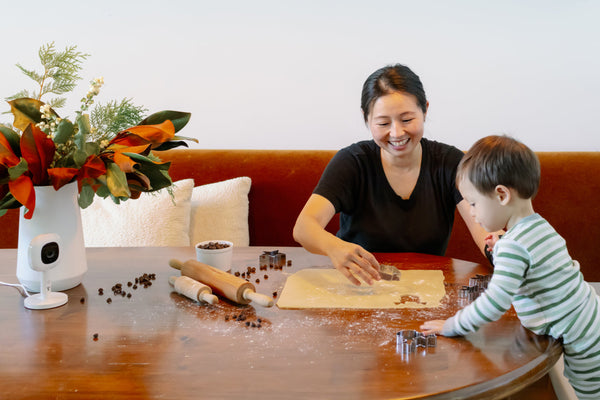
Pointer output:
x,y
223,283
193,289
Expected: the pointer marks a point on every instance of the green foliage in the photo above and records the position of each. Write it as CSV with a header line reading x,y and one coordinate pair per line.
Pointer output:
x,y
59,75
113,117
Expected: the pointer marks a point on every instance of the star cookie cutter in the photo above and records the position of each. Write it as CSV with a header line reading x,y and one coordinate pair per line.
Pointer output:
x,y
408,340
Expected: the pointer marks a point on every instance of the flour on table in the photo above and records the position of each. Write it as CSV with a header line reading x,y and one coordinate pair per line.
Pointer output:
x,y
328,288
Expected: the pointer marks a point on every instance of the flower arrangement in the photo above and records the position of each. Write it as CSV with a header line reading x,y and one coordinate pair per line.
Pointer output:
x,y
42,149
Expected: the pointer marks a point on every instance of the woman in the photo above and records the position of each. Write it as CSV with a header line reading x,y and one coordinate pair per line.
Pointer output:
x,y
395,193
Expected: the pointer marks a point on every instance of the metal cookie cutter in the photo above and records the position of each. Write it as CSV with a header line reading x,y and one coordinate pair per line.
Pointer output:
x,y
271,259
408,340
477,285
480,281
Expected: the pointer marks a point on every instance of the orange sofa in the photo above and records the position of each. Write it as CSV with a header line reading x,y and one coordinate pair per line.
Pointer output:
x,y
282,180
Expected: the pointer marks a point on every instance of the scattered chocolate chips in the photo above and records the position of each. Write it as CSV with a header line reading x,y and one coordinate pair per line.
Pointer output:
x,y
289,263
245,319
95,337
274,294
257,280
266,276
144,280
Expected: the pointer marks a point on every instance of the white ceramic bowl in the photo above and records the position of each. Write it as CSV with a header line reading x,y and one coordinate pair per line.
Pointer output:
x,y
218,258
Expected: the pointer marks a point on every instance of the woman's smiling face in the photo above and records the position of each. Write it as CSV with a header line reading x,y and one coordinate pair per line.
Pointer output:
x,y
397,123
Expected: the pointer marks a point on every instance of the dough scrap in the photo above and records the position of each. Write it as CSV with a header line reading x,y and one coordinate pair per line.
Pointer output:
x,y
328,288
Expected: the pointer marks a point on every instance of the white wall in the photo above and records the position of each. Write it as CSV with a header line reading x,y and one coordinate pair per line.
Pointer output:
x,y
288,74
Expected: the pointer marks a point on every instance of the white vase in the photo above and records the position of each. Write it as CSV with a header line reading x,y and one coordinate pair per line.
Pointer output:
x,y
55,212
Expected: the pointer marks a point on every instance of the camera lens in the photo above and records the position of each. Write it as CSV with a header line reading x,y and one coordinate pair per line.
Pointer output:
x,y
50,253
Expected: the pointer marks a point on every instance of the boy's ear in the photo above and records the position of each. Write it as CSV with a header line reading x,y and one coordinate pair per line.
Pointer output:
x,y
503,194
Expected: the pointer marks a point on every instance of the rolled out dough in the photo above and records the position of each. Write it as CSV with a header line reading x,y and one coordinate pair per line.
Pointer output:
x,y
328,288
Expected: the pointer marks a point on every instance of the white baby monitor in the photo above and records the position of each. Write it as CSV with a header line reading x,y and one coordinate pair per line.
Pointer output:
x,y
44,254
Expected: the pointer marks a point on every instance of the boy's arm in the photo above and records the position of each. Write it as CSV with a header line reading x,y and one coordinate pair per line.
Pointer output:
x,y
511,263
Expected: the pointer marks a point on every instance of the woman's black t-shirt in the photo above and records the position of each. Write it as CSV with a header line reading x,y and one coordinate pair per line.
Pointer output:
x,y
375,217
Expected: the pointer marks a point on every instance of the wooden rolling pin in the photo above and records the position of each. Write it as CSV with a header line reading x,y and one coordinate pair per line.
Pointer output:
x,y
222,283
193,289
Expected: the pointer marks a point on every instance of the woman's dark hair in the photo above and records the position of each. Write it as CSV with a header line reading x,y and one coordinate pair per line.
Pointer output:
x,y
386,80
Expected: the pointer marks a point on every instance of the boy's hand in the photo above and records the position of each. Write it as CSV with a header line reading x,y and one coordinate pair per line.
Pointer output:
x,y
433,327
491,239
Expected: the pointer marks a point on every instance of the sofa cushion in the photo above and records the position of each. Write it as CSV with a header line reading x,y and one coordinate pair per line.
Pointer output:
x,y
154,219
220,212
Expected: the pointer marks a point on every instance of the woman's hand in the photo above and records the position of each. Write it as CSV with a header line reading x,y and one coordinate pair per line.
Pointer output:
x,y
352,261
433,327
348,258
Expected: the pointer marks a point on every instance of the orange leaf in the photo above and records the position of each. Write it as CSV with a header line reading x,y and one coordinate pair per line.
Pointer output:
x,y
124,162
92,168
142,149
22,190
61,176
38,150
7,156
156,134
127,139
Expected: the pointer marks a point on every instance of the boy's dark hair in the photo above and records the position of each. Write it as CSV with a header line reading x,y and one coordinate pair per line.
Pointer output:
x,y
389,79
501,160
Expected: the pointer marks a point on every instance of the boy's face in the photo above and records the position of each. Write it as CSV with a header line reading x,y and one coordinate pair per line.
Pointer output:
x,y
486,209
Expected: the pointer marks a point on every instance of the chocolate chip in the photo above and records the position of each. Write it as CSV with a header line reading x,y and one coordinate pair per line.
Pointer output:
x,y
95,337
109,300
214,245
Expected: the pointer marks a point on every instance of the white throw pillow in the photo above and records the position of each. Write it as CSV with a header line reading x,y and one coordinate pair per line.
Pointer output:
x,y
154,219
220,212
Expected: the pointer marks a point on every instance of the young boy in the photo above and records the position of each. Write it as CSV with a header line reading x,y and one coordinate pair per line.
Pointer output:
x,y
533,271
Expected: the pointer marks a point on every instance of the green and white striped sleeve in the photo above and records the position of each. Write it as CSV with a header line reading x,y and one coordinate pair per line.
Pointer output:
x,y
511,263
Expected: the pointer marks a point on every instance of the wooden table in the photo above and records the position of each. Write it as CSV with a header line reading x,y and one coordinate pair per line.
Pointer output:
x,y
158,344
